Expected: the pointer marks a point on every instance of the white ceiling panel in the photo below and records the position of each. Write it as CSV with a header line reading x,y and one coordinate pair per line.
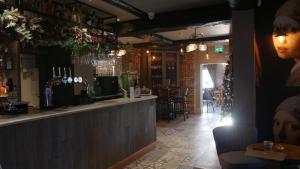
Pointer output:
x,y
131,40
208,30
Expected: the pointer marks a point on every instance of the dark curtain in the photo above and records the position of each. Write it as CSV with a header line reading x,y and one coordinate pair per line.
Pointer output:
x,y
212,70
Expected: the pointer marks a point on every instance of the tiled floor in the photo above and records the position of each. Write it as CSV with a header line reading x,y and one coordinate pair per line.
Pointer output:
x,y
183,145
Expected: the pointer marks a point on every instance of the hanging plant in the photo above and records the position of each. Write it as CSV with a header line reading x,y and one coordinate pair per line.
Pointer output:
x,y
15,26
80,40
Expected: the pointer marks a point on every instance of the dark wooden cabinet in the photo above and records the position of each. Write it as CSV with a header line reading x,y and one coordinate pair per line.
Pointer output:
x,y
156,69
163,69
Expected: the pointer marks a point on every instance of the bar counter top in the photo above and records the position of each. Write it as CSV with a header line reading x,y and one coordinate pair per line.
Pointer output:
x,y
6,120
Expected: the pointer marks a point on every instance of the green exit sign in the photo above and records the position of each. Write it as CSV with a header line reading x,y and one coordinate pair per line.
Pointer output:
x,y
219,49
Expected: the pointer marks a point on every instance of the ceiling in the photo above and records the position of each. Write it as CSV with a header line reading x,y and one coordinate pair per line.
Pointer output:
x,y
160,6
213,29
123,15
206,30
143,7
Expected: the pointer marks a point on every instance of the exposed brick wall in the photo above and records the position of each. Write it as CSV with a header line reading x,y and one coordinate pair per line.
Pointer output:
x,y
190,73
187,77
189,69
131,61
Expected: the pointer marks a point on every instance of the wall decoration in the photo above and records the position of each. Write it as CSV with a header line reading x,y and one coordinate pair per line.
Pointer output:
x,y
286,126
286,37
277,43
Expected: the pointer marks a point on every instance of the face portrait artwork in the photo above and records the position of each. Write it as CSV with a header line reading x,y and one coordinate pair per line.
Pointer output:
x,y
286,128
286,37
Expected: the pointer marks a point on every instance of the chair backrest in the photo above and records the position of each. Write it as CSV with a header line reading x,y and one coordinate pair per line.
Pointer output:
x,y
186,92
163,94
234,138
207,95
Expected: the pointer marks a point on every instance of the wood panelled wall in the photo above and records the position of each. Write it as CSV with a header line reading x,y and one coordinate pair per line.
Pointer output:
x,y
95,139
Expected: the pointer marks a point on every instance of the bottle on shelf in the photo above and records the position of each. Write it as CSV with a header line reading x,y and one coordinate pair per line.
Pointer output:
x,y
1,62
137,89
7,59
48,6
73,15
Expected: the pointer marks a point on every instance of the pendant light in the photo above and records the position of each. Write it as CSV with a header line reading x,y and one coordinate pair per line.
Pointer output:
x,y
191,47
121,52
194,46
202,47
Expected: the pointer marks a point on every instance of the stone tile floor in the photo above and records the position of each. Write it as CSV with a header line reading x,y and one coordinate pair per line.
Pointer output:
x,y
183,145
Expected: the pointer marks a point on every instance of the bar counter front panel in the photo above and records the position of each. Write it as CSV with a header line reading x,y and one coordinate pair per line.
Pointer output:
x,y
86,137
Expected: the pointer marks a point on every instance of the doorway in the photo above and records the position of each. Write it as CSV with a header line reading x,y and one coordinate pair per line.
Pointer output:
x,y
211,84
211,92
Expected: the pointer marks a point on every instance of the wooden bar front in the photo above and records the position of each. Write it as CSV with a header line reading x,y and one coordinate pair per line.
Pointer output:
x,y
95,138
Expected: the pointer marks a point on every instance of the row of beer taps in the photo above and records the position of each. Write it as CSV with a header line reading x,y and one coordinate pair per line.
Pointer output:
x,y
58,79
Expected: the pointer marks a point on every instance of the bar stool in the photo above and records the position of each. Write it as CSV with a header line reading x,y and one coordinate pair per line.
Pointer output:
x,y
165,104
208,99
180,104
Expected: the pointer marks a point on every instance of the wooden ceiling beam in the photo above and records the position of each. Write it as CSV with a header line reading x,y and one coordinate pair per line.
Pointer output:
x,y
95,8
127,7
204,39
175,20
179,43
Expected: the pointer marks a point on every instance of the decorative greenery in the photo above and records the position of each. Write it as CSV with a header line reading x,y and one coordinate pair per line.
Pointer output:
x,y
228,89
80,41
16,26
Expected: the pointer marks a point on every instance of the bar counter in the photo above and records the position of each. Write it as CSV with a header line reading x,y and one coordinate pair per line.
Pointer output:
x,y
105,134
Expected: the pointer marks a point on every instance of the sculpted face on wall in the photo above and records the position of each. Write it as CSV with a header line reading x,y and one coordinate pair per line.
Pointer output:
x,y
286,128
286,37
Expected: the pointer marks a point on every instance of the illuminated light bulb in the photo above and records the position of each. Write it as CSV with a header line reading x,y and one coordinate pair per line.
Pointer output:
x,y
153,57
147,51
181,50
281,38
111,53
202,47
207,56
121,52
191,47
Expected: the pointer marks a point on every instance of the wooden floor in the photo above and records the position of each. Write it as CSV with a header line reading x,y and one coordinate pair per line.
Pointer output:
x,y
183,144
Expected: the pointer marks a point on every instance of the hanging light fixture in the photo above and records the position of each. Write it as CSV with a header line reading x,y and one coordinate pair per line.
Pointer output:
x,y
202,47
193,46
181,50
207,56
121,52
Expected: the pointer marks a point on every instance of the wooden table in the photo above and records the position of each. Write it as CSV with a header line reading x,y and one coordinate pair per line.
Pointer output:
x,y
292,152
288,153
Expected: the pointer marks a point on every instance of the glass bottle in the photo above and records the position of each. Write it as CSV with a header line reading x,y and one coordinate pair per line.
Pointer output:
x,y
48,7
74,15
8,59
